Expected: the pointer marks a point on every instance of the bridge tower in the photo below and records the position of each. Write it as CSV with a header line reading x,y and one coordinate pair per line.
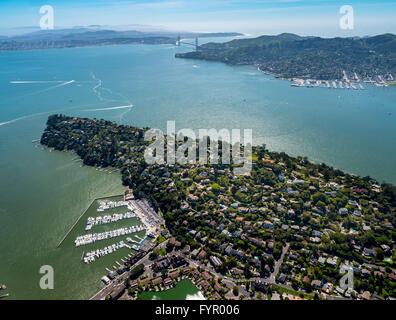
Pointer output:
x,y
178,41
196,44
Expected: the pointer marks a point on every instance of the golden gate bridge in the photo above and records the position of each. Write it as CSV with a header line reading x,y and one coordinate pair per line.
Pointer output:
x,y
196,46
180,42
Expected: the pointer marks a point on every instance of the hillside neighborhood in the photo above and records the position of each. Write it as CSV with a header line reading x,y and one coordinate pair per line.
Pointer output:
x,y
287,230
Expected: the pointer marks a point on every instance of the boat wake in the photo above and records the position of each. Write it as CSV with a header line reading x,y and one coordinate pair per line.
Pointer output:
x,y
11,121
48,112
34,82
57,86
61,84
98,90
21,118
99,87
110,108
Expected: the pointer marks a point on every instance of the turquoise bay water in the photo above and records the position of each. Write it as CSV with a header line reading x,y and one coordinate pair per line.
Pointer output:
x,y
42,193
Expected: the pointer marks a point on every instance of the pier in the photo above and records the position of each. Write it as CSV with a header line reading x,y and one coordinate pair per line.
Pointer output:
x,y
91,238
96,254
332,84
108,219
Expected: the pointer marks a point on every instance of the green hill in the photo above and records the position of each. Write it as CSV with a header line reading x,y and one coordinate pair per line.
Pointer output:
x,y
289,55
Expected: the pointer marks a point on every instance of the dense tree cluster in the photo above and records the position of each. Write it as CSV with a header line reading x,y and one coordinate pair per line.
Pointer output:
x,y
246,220
290,56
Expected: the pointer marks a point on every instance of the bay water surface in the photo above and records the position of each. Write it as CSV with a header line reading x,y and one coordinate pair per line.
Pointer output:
x,y
43,193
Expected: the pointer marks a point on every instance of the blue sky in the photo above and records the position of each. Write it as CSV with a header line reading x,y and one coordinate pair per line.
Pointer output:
x,y
305,17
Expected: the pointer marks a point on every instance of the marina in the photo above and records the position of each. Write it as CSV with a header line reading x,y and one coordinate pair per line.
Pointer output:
x,y
345,83
148,221
92,238
96,254
111,205
91,222
327,84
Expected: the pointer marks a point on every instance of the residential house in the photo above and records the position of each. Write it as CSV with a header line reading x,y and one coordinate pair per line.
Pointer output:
x,y
215,261
168,282
343,211
156,281
202,254
117,292
316,284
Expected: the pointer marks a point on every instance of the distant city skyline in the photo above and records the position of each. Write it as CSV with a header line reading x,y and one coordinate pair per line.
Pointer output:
x,y
254,17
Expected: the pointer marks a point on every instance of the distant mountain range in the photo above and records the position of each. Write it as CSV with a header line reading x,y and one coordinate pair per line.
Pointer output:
x,y
291,56
79,37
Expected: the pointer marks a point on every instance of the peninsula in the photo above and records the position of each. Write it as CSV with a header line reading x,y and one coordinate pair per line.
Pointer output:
x,y
286,229
292,57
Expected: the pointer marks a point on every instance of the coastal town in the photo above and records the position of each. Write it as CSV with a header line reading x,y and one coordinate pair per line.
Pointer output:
x,y
287,230
353,82
349,63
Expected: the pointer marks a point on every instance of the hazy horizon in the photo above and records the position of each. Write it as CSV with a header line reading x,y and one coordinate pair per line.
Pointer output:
x,y
252,17
12,32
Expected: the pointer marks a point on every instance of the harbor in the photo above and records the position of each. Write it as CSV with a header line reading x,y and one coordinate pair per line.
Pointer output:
x,y
123,217
354,83
329,84
92,238
107,219
106,205
96,254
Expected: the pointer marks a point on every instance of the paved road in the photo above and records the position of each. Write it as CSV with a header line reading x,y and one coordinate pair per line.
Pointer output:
x,y
231,281
228,281
101,295
278,263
